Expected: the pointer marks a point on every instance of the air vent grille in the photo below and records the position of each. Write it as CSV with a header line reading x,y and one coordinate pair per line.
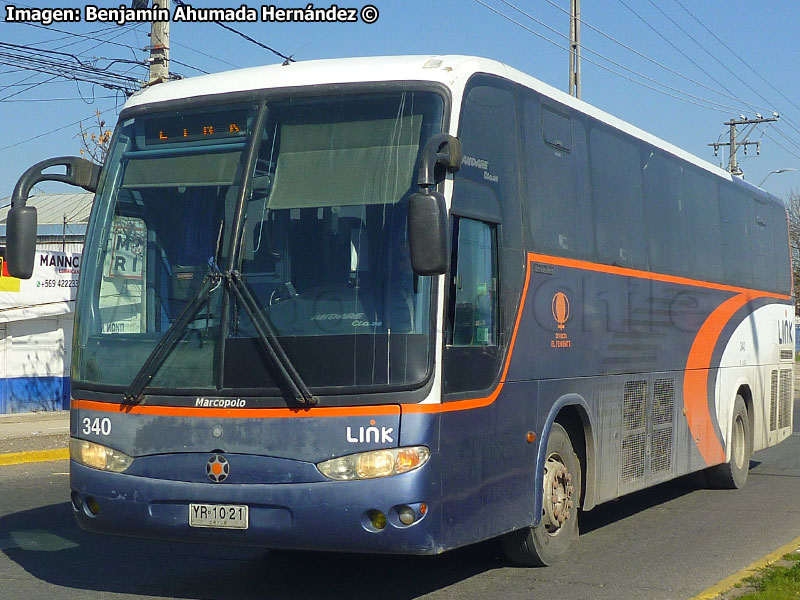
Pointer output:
x,y
661,451
662,423
787,355
634,414
633,449
663,401
785,409
773,401
634,424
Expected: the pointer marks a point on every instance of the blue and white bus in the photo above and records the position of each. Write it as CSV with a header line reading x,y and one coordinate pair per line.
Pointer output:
x,y
406,304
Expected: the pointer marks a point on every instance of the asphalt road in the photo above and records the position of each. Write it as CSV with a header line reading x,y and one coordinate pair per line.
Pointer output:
x,y
669,542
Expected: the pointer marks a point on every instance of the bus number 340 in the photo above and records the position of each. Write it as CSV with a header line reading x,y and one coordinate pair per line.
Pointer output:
x,y
97,426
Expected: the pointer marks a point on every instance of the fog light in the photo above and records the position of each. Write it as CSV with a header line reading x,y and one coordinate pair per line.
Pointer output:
x,y
406,515
92,505
377,518
77,503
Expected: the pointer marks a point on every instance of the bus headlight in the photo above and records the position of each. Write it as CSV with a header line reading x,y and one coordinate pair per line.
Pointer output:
x,y
98,457
376,463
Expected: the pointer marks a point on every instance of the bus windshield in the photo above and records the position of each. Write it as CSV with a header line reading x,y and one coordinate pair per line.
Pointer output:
x,y
322,237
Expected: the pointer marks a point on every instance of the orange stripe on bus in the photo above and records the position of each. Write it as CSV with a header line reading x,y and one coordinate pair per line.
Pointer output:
x,y
473,403
238,413
458,405
626,272
695,382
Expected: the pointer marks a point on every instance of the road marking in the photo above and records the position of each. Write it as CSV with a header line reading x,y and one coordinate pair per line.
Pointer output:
x,y
727,583
18,458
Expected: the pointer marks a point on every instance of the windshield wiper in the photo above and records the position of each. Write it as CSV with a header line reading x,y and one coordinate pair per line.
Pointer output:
x,y
233,283
266,335
165,346
270,341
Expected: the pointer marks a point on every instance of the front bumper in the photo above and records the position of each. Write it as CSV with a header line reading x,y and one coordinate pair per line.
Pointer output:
x,y
327,516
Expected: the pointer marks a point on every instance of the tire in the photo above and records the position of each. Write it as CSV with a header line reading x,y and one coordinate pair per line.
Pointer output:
x,y
551,540
733,474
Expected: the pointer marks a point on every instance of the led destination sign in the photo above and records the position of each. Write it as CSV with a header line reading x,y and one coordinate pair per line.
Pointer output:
x,y
195,127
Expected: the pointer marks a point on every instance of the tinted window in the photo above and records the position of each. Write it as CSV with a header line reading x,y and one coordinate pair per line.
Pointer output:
x,y
559,213
665,213
703,230
781,248
556,129
474,286
736,218
488,137
765,267
617,196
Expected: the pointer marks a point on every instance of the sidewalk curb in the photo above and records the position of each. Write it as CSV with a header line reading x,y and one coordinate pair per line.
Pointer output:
x,y
729,582
30,417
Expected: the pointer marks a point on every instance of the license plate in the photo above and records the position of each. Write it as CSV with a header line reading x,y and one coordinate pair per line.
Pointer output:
x,y
219,516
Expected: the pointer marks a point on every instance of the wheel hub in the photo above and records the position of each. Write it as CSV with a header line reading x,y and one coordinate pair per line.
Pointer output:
x,y
558,494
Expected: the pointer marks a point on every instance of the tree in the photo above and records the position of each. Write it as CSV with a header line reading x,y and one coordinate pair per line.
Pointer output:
x,y
793,208
95,140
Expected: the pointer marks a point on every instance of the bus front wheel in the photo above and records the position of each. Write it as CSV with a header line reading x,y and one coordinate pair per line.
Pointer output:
x,y
550,540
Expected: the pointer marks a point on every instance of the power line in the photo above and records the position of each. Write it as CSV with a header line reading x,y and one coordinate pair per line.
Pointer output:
x,y
789,122
245,36
88,37
634,51
722,64
687,57
79,72
81,35
36,137
30,87
704,103
57,99
177,62
621,66
777,143
743,61
230,64
70,34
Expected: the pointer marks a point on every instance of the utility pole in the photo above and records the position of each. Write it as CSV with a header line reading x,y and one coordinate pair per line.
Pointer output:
x,y
733,145
575,48
159,46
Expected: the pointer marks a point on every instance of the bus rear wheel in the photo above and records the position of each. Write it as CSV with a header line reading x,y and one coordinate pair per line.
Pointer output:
x,y
733,474
550,541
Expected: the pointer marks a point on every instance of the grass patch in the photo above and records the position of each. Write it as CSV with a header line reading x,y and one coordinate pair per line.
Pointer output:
x,y
780,581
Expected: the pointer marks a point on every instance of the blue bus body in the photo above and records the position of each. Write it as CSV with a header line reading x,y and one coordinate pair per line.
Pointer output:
x,y
599,306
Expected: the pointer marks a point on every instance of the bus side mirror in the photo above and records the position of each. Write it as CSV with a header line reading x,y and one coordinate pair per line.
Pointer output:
x,y
21,240
21,220
427,233
427,212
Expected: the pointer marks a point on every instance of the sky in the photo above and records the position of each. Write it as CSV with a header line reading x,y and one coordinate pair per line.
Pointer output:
x,y
677,74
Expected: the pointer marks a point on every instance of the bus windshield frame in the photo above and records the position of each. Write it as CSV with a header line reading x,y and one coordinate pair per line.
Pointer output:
x,y
277,220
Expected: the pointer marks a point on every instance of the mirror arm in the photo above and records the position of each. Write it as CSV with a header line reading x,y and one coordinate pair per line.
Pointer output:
x,y
441,149
80,172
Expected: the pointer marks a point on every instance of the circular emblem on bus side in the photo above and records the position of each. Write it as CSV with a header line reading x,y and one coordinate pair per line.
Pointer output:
x,y
560,309
218,468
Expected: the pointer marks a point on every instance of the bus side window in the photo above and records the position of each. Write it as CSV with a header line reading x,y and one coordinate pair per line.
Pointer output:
x,y
616,174
473,295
